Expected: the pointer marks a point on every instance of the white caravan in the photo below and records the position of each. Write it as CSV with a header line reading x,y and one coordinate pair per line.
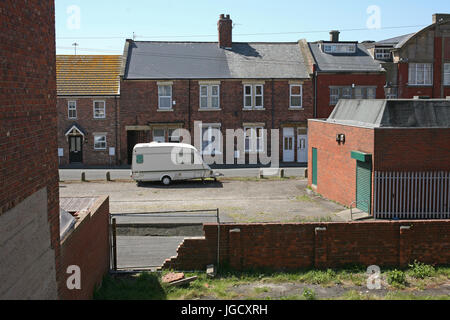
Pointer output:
x,y
167,162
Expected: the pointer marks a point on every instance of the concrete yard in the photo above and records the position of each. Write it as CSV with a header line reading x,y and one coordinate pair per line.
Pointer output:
x,y
239,199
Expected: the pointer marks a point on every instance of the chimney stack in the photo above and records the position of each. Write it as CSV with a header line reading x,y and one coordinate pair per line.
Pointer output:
x,y
225,27
439,17
334,35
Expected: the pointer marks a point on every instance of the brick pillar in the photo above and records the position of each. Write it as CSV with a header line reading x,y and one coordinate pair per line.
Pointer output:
x,y
404,250
235,249
320,247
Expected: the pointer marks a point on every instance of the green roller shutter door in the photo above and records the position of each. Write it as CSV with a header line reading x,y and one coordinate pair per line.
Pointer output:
x,y
364,185
314,166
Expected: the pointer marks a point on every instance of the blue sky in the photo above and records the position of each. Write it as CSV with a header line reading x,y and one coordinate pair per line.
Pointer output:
x,y
103,25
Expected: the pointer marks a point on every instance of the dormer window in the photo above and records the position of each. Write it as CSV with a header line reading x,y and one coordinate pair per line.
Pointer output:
x,y
382,54
339,47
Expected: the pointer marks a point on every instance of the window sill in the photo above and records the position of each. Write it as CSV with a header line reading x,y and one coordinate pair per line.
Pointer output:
x,y
209,109
103,150
254,109
296,108
164,110
420,85
99,118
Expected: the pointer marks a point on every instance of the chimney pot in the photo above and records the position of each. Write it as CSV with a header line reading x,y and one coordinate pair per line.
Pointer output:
x,y
334,35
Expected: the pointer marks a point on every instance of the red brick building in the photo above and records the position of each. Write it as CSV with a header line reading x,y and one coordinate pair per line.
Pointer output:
x,y
225,85
391,156
417,64
343,70
29,194
88,109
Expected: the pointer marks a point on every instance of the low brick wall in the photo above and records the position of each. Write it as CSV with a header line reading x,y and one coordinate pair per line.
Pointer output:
x,y
317,245
87,246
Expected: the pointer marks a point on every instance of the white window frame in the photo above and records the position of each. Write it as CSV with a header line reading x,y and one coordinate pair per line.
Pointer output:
x,y
446,74
253,139
334,96
72,108
165,97
246,106
210,127
95,142
414,71
209,96
253,95
159,136
296,95
339,48
383,54
104,109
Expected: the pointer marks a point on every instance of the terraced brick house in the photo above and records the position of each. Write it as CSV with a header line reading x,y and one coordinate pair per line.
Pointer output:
x,y
88,109
225,85
343,70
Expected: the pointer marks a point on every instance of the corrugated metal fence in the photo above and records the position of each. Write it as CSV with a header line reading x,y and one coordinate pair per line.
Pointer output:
x,y
412,195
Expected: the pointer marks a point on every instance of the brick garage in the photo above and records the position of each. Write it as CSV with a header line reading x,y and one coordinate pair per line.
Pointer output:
x,y
87,246
316,245
398,143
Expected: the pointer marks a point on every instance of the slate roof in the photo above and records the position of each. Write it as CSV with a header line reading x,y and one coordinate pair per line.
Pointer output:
x,y
395,42
361,61
401,113
88,74
205,60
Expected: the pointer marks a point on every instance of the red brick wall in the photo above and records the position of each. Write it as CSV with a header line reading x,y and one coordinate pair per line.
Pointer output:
x,y
87,246
412,149
28,159
324,81
139,106
336,172
294,246
85,119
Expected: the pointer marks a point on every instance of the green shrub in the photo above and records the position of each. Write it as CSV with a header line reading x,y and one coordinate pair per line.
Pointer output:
x,y
396,278
309,294
420,270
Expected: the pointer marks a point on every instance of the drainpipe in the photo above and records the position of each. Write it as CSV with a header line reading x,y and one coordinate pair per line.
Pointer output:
x,y
273,109
117,131
315,89
189,106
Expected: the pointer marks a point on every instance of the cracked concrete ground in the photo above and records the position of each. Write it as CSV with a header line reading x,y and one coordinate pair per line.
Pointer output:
x,y
241,200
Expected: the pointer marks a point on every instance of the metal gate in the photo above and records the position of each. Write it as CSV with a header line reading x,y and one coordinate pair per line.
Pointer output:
x,y
412,195
143,241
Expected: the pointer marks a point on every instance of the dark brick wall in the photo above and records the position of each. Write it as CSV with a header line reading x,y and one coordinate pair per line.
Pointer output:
x,y
317,245
85,119
139,106
87,246
28,120
412,149
324,81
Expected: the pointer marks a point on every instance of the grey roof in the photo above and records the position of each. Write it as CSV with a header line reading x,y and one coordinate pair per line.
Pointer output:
x,y
205,60
359,61
395,41
392,113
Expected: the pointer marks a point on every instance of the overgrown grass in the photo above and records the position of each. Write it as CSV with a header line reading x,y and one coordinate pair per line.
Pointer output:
x,y
149,286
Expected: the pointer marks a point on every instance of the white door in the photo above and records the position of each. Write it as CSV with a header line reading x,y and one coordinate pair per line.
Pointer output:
x,y
288,145
302,148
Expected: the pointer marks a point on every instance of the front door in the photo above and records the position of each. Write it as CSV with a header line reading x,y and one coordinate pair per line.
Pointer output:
x,y
75,149
302,148
288,145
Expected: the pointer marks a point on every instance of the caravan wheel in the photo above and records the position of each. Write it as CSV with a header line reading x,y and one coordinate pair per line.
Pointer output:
x,y
166,180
